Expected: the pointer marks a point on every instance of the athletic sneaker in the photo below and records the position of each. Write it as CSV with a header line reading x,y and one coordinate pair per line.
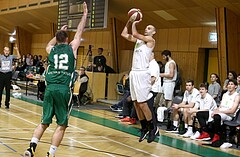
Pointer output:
x,y
204,136
216,137
115,108
152,135
119,116
188,134
49,155
30,151
226,145
126,119
196,135
133,121
172,129
144,133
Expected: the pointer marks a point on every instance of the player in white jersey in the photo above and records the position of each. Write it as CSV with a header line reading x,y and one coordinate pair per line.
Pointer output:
x,y
169,77
140,77
226,111
204,102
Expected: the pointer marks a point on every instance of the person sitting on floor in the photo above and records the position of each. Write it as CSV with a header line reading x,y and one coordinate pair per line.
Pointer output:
x,y
226,111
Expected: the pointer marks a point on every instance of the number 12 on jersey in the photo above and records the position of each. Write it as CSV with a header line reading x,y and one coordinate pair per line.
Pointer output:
x,y
60,61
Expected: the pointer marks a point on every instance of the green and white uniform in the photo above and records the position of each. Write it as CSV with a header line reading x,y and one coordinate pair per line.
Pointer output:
x,y
59,79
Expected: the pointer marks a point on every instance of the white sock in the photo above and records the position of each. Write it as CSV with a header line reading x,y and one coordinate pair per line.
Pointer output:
x,y
34,140
186,126
52,150
190,128
175,123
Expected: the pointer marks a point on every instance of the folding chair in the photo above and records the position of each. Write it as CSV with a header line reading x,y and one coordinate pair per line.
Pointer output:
x,y
235,124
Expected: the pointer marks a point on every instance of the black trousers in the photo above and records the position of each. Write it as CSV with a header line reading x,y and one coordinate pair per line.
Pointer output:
x,y
5,81
150,103
202,117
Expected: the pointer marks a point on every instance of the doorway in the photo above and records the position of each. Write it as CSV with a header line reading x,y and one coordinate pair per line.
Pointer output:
x,y
211,63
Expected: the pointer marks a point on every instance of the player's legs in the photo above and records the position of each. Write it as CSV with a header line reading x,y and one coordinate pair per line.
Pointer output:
x,y
62,101
46,120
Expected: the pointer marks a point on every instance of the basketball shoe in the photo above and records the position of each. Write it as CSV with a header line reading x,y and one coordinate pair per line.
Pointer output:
x,y
152,135
144,133
49,155
31,150
204,136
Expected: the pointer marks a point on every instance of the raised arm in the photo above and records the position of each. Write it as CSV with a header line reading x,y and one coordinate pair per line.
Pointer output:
x,y
18,53
146,38
125,33
77,38
53,41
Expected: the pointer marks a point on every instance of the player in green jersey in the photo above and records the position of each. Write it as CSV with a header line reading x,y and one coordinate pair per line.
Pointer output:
x,y
58,94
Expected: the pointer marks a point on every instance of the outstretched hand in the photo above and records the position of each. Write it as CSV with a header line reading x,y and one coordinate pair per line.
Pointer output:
x,y
137,22
85,10
64,27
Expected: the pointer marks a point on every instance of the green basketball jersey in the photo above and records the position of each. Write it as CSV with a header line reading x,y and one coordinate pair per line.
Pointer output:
x,y
61,65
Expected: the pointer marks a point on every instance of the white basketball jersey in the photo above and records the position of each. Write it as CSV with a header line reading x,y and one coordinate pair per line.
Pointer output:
x,y
167,71
141,56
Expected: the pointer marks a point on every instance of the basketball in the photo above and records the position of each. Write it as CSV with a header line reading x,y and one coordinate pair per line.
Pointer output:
x,y
134,14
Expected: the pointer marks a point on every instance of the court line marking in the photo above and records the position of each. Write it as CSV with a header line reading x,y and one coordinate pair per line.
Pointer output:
x,y
90,146
53,118
136,149
130,147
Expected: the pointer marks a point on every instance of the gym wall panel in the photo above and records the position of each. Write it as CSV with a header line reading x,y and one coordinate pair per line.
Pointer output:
x,y
195,38
162,42
39,43
172,39
183,39
233,48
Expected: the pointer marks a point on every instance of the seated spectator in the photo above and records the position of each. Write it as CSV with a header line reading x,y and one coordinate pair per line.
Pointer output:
x,y
226,111
214,89
83,79
189,100
29,60
128,112
35,60
231,75
40,61
126,94
204,102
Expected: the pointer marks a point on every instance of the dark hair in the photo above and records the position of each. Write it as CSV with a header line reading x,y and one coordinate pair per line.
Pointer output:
x,y
166,53
203,85
233,81
82,67
218,79
101,49
190,81
159,62
234,74
61,36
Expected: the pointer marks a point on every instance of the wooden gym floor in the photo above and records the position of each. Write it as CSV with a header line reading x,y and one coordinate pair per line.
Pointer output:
x,y
91,132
